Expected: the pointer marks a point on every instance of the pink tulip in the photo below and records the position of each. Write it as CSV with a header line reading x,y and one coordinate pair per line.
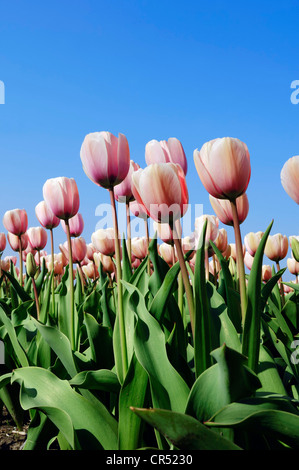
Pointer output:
x,y
165,233
233,253
211,231
248,260
105,158
290,178
277,247
2,242
223,166
76,225
79,249
12,259
139,247
103,241
107,263
252,241
188,243
266,272
13,240
5,264
28,249
123,191
293,266
223,209
167,253
16,221
90,251
90,270
138,210
221,240
45,216
162,189
62,196
37,237
165,152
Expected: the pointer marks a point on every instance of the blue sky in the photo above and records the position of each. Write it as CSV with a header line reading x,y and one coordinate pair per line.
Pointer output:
x,y
151,70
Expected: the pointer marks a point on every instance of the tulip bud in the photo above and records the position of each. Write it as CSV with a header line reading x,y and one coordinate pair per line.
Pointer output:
x,y
31,265
295,247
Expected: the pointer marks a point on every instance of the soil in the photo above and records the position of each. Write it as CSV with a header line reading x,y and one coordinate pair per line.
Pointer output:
x,y
10,437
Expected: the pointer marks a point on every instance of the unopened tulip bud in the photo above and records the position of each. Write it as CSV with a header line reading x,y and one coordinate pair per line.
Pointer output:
x,y
252,241
276,247
295,247
31,265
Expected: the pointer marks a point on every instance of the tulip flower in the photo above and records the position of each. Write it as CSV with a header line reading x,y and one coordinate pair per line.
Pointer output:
x,y
139,247
290,178
76,225
168,253
223,166
223,209
138,210
294,242
252,241
162,189
266,272
2,242
165,233
45,216
248,260
106,161
106,261
166,152
104,242
123,190
293,266
16,221
276,247
37,237
62,197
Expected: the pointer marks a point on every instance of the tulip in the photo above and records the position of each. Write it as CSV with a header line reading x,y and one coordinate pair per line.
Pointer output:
x,y
248,260
103,241
106,261
45,216
138,210
294,242
162,189
76,225
211,230
276,247
16,221
106,162
2,242
37,237
90,270
139,247
165,233
252,241
123,191
13,241
223,209
290,178
166,152
168,253
266,272
223,166
293,266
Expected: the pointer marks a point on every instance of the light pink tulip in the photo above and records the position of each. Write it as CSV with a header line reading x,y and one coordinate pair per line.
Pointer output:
x,y
165,233
103,240
2,242
13,240
221,240
123,191
107,263
248,260
105,158
12,259
79,249
165,152
45,216
277,247
90,270
37,237
16,221
139,247
138,210
167,253
62,196
293,266
91,249
266,272
76,225
223,166
162,189
252,241
211,231
290,178
223,209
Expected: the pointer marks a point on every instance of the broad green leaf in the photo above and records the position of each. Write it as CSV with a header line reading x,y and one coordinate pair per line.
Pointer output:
x,y
185,432
101,379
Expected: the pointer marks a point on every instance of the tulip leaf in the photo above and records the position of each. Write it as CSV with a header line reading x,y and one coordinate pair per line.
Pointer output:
x,y
101,379
252,326
184,431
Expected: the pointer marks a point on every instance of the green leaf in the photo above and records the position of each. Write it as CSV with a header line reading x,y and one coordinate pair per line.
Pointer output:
x,y
185,432
101,379
252,326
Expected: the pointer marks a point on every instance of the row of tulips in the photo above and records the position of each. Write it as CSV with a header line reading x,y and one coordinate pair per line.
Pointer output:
x,y
147,345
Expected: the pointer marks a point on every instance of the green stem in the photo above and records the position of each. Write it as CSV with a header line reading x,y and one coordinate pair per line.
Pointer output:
x,y
129,231
71,274
240,260
52,257
185,277
123,341
21,260
280,285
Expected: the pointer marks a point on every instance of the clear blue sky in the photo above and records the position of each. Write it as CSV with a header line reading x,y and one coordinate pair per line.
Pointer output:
x,y
151,70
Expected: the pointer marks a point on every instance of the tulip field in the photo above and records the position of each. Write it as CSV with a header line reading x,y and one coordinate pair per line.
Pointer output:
x,y
159,343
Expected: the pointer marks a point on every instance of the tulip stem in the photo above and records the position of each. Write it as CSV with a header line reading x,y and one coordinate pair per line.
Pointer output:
x,y
71,274
53,280
121,319
21,261
129,231
147,240
240,260
184,272
280,285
